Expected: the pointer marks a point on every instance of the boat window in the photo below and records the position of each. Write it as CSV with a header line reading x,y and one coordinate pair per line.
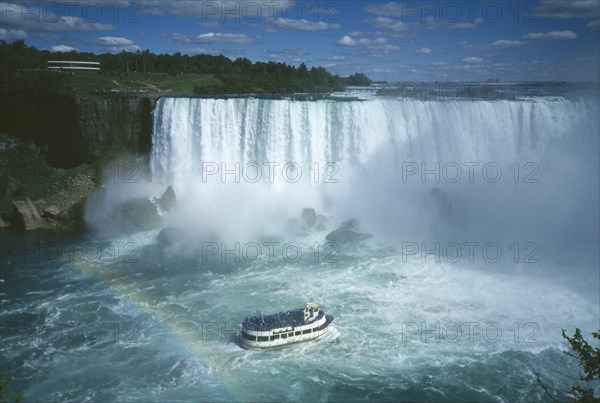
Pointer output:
x,y
298,333
263,338
306,331
284,336
249,337
290,334
275,337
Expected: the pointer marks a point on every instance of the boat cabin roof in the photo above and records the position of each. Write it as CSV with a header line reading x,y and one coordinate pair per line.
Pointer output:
x,y
291,318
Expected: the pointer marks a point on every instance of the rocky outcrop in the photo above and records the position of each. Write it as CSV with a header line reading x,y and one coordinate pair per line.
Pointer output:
x,y
309,217
4,223
26,216
322,222
51,212
167,201
350,224
44,213
346,233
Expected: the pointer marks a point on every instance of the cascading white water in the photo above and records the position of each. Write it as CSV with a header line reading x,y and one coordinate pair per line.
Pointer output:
x,y
188,131
551,142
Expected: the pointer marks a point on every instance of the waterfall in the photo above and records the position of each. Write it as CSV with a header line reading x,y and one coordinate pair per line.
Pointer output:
x,y
403,166
189,131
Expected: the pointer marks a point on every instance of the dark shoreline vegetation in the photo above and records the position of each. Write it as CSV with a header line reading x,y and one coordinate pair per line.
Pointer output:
x,y
179,73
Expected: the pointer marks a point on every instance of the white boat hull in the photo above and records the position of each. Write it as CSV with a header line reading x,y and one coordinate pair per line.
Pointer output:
x,y
282,342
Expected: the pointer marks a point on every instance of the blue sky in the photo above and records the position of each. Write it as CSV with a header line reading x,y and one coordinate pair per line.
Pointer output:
x,y
397,40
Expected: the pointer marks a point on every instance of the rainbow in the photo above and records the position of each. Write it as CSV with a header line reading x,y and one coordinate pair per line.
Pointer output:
x,y
182,331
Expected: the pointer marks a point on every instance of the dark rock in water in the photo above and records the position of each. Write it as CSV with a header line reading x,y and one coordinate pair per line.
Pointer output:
x,y
345,235
136,215
309,217
350,224
170,235
322,222
168,199
26,215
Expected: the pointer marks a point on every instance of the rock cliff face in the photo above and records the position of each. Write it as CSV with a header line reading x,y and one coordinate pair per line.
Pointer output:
x,y
77,128
114,123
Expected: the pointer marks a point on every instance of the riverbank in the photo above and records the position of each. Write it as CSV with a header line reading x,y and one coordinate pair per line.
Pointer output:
x,y
36,195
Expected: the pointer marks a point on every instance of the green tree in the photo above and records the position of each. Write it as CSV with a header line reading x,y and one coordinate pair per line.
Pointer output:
x,y
589,362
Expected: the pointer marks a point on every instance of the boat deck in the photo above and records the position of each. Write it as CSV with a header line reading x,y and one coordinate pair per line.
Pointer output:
x,y
294,317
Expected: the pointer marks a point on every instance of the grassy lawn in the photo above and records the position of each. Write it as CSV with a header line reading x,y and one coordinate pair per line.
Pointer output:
x,y
90,81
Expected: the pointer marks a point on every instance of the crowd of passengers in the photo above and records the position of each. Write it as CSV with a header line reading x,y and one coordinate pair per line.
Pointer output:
x,y
277,320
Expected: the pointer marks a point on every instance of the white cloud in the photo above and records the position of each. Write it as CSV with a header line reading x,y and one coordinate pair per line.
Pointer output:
x,y
212,37
10,35
472,46
62,48
424,51
472,59
304,25
507,43
347,40
593,24
380,71
431,22
223,10
568,9
553,35
381,50
369,47
115,44
465,25
289,55
112,41
388,24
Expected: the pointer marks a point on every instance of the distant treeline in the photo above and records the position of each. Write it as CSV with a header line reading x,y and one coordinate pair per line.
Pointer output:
x,y
230,76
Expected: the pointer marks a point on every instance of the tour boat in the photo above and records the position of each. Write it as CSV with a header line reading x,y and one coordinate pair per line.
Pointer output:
x,y
287,327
